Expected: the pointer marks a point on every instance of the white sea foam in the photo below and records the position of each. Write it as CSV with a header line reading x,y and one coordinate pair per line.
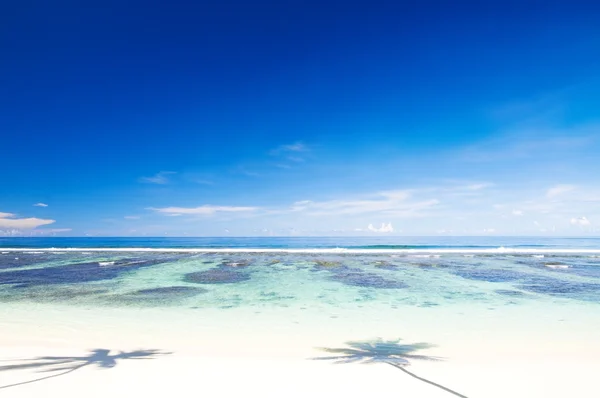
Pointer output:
x,y
105,263
557,266
416,251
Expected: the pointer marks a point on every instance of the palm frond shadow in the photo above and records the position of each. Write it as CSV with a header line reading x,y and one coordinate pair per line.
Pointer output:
x,y
100,357
390,352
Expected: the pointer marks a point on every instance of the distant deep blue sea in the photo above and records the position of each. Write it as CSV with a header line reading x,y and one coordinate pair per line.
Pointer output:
x,y
366,243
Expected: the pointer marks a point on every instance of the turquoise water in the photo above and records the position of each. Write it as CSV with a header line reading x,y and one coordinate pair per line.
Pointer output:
x,y
306,242
407,274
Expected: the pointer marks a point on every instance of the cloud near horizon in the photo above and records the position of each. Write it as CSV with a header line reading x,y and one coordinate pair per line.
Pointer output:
x,y
460,206
205,210
384,228
9,220
393,203
581,221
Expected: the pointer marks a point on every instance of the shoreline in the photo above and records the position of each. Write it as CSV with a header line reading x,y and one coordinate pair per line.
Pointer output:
x,y
499,250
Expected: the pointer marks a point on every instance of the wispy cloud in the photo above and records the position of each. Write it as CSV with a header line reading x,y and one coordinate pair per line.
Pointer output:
x,y
198,177
296,147
50,231
205,210
532,143
392,203
158,178
458,189
559,190
478,187
293,153
41,205
555,209
462,207
132,217
9,220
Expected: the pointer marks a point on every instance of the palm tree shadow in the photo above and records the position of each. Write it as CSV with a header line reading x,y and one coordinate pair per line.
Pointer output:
x,y
390,352
100,357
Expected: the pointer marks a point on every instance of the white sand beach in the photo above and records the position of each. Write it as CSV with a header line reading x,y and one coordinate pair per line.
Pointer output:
x,y
511,352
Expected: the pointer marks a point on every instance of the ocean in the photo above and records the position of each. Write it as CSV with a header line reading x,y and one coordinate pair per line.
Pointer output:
x,y
475,301
376,242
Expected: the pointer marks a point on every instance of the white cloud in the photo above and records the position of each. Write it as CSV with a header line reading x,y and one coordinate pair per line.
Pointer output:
x,y
396,195
462,208
395,203
41,205
9,220
159,178
478,187
384,228
50,231
290,153
581,221
55,230
559,190
132,217
33,232
205,210
295,147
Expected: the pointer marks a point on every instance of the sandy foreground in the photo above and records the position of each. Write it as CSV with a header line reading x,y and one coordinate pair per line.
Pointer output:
x,y
194,375
236,356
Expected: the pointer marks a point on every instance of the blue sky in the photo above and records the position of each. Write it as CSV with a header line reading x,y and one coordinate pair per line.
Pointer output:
x,y
300,118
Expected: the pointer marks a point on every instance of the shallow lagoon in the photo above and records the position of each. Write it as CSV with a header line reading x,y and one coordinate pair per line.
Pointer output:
x,y
510,315
226,280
